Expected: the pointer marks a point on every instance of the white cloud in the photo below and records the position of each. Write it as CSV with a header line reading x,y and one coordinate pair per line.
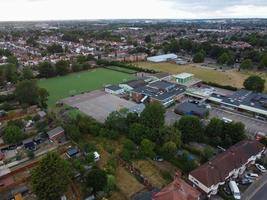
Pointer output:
x,y
127,9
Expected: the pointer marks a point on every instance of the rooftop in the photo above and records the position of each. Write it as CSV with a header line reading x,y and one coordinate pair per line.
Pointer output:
x,y
218,169
183,75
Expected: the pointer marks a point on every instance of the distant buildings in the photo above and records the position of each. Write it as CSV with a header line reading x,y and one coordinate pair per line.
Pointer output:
x,y
162,58
231,163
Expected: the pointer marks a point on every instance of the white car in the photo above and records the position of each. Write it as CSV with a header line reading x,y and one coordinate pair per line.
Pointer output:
x,y
260,168
251,175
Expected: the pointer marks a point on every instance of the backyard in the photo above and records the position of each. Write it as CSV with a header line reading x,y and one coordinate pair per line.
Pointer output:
x,y
76,83
230,77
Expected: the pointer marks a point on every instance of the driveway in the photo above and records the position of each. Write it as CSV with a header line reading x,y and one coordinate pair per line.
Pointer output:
x,y
261,194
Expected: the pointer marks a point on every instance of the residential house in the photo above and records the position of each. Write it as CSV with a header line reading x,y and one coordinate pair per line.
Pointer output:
x,y
231,163
177,190
56,134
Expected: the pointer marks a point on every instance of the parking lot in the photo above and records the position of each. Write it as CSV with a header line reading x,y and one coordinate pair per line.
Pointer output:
x,y
98,104
252,125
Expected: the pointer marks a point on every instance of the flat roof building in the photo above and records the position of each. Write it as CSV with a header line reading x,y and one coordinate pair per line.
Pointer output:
x,y
183,78
162,58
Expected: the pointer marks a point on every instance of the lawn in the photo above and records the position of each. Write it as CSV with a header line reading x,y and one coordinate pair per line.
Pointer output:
x,y
72,84
230,77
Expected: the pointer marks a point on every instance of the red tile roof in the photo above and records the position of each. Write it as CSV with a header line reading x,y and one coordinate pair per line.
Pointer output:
x,y
218,169
177,190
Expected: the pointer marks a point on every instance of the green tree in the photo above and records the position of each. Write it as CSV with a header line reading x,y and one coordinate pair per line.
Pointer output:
x,y
62,67
96,179
254,83
199,57
148,39
27,73
153,115
73,132
214,131
10,73
26,92
137,132
13,134
12,60
50,179
46,69
224,58
190,127
147,149
55,48
30,154
246,64
117,120
43,97
263,63
169,150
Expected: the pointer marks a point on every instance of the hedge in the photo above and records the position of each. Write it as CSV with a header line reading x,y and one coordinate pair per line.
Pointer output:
x,y
227,87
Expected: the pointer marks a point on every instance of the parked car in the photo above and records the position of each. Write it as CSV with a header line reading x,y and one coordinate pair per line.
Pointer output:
x,y
158,158
251,175
235,190
260,168
246,181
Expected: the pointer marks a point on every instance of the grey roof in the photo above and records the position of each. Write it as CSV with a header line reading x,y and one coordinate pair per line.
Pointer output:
x,y
158,94
55,131
114,87
162,85
245,97
136,83
187,108
137,108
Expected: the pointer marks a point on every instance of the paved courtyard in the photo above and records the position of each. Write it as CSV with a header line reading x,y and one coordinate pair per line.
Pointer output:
x,y
98,104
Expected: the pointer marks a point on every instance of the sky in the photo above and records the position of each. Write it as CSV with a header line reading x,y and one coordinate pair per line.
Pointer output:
x,y
33,10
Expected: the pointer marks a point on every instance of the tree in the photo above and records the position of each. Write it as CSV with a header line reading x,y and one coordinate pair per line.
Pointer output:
x,y
43,97
55,48
12,60
153,115
13,134
224,58
73,132
190,128
246,64
62,67
137,132
27,73
10,73
214,131
207,154
148,39
26,92
147,149
46,70
169,150
169,133
254,83
199,57
129,150
50,179
96,179
117,121
263,63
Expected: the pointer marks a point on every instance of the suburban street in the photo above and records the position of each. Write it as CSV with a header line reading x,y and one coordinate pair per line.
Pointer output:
x,y
261,194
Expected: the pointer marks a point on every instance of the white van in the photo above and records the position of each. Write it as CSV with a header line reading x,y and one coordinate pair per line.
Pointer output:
x,y
227,120
234,189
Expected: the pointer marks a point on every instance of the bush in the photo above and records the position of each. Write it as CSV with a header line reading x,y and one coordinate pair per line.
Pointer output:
x,y
227,87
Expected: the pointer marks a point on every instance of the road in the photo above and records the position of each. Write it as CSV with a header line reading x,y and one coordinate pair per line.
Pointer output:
x,y
261,194
252,125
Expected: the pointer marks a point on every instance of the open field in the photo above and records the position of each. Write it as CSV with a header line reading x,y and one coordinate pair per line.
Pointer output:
x,y
72,84
230,77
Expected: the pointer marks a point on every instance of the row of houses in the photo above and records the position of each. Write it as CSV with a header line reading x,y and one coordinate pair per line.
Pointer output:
x,y
226,166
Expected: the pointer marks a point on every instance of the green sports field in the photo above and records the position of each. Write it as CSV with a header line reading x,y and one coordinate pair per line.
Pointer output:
x,y
65,86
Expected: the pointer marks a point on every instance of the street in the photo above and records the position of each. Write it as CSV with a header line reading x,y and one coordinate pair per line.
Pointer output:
x,y
261,194
252,125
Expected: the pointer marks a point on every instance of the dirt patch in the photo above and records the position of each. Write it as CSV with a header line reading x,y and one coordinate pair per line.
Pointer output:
x,y
151,172
127,183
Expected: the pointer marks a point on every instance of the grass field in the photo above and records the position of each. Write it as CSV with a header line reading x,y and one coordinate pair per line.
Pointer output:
x,y
230,77
72,84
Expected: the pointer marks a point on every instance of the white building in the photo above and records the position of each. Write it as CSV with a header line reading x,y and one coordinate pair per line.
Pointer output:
x,y
162,58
